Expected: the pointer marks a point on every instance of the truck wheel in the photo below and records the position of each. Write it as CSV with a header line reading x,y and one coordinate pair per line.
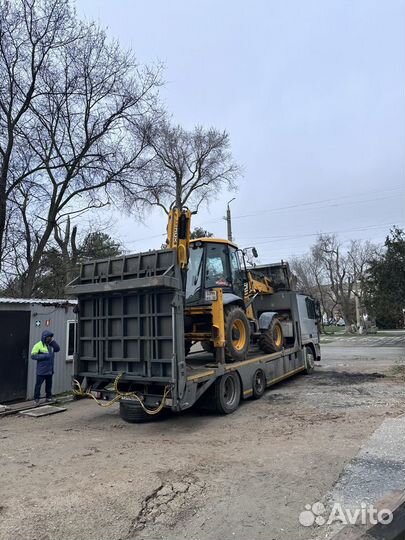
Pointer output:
x,y
258,384
208,346
309,361
132,412
237,334
227,393
271,339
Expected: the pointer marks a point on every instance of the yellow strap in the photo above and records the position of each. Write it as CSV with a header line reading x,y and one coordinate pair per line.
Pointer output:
x,y
78,391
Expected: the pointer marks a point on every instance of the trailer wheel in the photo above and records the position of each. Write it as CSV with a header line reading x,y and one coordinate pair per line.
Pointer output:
x,y
258,383
271,340
237,334
227,393
309,362
132,412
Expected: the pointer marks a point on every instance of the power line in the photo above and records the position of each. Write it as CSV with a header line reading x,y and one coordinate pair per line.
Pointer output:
x,y
294,206
286,252
163,235
292,236
306,205
289,250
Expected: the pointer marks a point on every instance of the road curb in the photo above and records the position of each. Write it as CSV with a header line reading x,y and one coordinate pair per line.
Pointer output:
x,y
391,531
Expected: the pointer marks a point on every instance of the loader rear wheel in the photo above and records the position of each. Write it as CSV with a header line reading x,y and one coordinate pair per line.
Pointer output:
x,y
272,339
258,384
237,334
132,412
227,393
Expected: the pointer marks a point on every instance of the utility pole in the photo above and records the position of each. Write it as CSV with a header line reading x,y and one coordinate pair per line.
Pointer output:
x,y
228,220
358,323
357,304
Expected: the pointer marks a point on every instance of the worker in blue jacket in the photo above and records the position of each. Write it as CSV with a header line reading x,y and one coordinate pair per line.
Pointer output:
x,y
44,353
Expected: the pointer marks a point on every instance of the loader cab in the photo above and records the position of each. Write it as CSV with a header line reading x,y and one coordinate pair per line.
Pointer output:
x,y
213,263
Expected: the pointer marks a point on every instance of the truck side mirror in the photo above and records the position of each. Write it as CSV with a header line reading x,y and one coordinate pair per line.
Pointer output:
x,y
254,252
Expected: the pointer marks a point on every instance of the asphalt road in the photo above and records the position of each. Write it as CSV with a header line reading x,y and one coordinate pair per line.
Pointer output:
x,y
86,474
392,338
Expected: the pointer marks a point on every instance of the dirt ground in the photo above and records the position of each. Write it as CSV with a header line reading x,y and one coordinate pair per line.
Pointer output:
x,y
85,473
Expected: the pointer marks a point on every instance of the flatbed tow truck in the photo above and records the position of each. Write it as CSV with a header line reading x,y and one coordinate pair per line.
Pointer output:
x,y
143,343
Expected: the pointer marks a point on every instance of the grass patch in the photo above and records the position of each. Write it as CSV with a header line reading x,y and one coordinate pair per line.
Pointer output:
x,y
334,330
397,371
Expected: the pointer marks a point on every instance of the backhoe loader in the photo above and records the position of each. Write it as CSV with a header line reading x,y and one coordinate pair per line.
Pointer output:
x,y
220,295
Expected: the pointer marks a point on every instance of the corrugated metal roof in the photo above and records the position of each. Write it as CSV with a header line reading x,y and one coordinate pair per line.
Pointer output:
x,y
43,301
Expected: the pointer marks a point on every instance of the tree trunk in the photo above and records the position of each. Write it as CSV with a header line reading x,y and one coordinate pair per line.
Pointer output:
x,y
3,217
29,280
3,198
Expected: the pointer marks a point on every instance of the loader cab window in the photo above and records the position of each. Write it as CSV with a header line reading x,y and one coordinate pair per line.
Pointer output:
x,y
194,274
217,271
237,273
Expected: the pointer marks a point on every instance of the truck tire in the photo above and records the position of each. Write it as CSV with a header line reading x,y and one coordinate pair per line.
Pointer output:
x,y
309,361
132,412
237,334
258,384
227,393
271,340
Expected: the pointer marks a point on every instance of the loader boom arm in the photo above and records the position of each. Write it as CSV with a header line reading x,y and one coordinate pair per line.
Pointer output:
x,y
178,234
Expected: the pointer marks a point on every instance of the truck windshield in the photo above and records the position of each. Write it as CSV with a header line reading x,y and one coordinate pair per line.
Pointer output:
x,y
194,274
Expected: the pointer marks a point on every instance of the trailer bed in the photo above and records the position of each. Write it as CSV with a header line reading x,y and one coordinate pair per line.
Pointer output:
x,y
201,366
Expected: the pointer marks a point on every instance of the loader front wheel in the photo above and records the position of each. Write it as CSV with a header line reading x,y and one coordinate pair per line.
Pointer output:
x,y
227,393
272,339
237,334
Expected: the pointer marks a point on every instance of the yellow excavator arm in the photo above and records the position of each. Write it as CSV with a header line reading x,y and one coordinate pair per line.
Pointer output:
x,y
178,234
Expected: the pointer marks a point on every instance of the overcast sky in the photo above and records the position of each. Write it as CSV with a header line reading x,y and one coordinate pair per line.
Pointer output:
x,y
312,94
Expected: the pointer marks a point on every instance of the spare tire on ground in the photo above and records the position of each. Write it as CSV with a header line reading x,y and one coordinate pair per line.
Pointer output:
x,y
131,411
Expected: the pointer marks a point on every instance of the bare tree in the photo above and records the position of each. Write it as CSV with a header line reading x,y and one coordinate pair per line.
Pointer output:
x,y
67,242
311,280
360,255
79,134
60,261
30,33
183,168
333,263
344,271
334,275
